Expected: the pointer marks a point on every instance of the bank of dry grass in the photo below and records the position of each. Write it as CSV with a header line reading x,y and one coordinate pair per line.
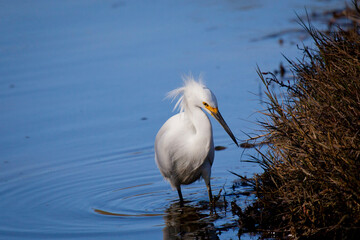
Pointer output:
x,y
311,181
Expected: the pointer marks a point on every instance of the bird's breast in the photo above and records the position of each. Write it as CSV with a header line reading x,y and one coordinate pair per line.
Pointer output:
x,y
183,147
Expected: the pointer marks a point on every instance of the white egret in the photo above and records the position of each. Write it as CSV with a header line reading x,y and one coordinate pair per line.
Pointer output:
x,y
184,147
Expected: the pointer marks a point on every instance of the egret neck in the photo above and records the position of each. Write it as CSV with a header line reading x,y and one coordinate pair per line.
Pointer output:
x,y
202,126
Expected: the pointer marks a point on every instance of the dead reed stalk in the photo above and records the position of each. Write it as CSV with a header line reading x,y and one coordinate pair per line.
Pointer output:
x,y
311,181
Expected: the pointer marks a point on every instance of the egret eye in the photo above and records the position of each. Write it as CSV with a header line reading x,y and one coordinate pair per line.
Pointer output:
x,y
205,104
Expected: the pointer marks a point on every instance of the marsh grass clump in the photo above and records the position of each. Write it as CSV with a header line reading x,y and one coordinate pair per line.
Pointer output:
x,y
311,182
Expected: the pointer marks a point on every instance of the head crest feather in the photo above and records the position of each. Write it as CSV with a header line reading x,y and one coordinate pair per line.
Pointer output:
x,y
180,93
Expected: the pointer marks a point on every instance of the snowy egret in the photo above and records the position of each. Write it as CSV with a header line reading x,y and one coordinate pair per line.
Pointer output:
x,y
184,147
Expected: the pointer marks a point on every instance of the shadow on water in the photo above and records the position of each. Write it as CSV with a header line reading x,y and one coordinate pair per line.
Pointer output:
x,y
189,222
127,215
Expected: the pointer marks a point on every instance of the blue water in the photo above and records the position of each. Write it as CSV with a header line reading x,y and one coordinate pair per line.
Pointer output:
x,y
82,87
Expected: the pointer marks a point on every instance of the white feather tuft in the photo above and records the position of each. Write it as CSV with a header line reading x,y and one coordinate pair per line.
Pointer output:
x,y
189,83
179,92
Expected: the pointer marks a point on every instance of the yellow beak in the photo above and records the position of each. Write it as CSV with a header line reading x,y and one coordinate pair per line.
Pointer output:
x,y
216,114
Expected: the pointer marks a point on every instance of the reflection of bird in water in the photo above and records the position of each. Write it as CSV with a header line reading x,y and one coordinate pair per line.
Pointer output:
x,y
184,148
188,223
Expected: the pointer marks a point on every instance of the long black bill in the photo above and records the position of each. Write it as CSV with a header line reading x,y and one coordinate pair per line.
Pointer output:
x,y
221,120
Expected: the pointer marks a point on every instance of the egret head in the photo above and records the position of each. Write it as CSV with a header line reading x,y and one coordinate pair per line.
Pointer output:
x,y
210,106
195,93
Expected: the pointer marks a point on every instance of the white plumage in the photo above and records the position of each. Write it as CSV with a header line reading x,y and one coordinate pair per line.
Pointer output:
x,y
184,147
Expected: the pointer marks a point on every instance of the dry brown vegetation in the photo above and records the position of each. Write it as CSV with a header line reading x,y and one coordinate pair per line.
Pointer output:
x,y
310,187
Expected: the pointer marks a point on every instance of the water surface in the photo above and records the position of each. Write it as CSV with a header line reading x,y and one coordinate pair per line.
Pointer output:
x,y
82,86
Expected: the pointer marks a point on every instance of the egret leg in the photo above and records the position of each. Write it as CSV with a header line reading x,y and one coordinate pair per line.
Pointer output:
x,y
206,176
209,192
180,196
